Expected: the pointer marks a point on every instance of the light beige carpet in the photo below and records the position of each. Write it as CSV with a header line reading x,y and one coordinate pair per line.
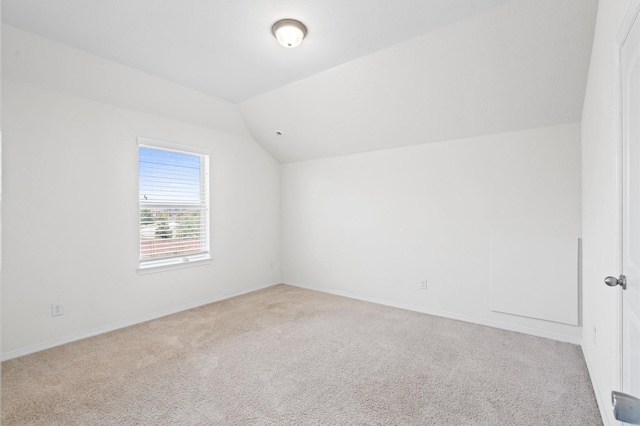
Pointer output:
x,y
289,356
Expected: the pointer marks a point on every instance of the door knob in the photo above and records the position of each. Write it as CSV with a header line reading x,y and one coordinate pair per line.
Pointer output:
x,y
626,408
613,281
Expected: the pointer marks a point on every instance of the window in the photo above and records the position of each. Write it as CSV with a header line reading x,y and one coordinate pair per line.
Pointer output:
x,y
174,204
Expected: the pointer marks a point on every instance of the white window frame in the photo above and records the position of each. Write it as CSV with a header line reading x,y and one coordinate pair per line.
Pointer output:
x,y
185,261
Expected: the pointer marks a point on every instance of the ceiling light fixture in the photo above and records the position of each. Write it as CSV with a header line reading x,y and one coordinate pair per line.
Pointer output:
x,y
289,32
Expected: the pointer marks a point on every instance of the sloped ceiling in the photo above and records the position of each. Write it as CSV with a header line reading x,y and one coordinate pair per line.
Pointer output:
x,y
225,47
518,66
372,74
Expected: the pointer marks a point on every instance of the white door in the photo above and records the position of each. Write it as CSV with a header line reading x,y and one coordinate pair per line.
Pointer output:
x,y
629,79
630,73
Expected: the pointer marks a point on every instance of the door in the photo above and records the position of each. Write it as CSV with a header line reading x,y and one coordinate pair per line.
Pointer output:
x,y
629,281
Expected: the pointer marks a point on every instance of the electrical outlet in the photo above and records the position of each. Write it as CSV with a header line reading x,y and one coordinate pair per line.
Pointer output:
x,y
423,285
271,265
594,337
56,309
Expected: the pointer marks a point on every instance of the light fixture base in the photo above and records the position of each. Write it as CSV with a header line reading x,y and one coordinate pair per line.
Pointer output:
x,y
289,32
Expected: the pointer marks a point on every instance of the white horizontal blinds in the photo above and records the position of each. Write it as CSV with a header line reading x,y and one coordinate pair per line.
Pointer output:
x,y
173,203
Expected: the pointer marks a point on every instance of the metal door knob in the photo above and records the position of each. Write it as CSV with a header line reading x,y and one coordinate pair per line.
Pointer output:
x,y
626,408
613,281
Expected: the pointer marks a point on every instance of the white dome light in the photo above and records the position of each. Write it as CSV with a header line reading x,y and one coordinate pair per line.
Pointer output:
x,y
289,32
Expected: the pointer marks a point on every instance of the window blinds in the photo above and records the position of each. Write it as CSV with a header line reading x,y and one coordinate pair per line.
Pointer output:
x,y
174,210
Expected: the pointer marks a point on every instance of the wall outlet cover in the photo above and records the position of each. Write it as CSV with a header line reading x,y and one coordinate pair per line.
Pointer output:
x,y
56,309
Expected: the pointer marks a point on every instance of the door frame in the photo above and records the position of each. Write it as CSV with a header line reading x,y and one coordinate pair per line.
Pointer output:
x,y
631,15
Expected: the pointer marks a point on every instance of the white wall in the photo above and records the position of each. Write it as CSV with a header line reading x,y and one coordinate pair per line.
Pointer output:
x,y
70,200
0,204
599,205
374,225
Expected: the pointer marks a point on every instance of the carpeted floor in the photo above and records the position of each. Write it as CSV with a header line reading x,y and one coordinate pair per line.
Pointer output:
x,y
290,356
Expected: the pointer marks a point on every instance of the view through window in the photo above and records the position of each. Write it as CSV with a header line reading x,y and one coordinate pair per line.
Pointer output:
x,y
174,206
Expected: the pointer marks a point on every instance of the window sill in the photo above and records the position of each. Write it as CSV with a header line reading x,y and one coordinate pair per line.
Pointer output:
x,y
152,268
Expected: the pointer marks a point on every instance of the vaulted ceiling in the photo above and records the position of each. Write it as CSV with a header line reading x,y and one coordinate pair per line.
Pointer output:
x,y
372,74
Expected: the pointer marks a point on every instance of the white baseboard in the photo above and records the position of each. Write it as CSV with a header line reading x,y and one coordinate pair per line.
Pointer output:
x,y
480,321
172,310
122,324
603,406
